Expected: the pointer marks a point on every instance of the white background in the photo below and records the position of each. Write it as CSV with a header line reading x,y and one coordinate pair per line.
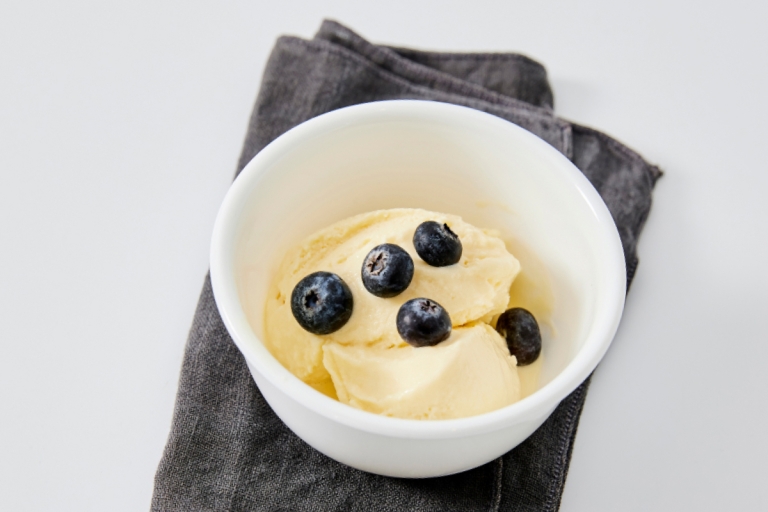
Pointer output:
x,y
120,127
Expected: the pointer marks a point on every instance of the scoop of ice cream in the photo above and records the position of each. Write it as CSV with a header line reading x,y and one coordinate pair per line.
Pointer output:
x,y
474,289
470,373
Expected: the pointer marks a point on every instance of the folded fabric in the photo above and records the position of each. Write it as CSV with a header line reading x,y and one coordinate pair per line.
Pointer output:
x,y
227,450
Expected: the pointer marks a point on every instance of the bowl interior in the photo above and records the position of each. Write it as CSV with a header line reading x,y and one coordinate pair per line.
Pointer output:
x,y
436,157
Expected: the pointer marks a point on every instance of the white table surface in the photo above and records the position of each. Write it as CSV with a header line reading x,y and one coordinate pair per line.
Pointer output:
x,y
120,127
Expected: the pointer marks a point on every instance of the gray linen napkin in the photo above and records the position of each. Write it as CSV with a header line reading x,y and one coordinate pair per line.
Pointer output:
x,y
227,450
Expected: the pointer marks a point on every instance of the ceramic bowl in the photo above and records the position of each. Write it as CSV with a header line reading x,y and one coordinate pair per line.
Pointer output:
x,y
440,157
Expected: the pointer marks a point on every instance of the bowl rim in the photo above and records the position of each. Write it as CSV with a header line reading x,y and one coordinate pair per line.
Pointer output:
x,y
259,359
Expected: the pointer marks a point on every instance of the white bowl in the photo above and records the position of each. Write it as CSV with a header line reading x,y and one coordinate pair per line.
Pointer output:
x,y
439,157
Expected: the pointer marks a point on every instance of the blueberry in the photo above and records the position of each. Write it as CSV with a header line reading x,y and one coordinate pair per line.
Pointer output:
x,y
321,303
437,244
387,270
520,329
423,322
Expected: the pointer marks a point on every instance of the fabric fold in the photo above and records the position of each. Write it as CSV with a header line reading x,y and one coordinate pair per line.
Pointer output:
x,y
499,78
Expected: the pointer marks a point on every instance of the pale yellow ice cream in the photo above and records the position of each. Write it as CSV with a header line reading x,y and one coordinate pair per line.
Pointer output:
x,y
470,373
365,363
